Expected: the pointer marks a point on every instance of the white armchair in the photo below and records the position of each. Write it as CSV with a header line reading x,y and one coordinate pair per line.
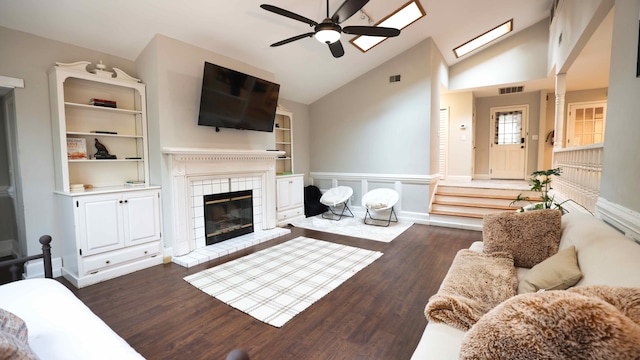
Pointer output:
x,y
379,200
336,198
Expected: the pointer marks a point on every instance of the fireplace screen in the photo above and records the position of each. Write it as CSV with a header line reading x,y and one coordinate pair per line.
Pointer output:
x,y
228,215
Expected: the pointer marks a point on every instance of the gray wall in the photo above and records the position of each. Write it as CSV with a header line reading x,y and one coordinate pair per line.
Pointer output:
x,y
621,168
29,57
520,57
373,126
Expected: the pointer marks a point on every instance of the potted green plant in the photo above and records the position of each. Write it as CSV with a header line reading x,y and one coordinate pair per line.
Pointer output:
x,y
540,181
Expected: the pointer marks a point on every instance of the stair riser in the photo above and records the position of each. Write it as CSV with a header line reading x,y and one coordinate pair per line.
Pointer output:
x,y
465,210
478,201
512,193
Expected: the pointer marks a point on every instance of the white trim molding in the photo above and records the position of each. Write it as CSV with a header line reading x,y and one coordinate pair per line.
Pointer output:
x,y
10,82
35,268
621,218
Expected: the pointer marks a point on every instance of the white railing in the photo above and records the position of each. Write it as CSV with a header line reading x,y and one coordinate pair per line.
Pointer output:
x,y
581,170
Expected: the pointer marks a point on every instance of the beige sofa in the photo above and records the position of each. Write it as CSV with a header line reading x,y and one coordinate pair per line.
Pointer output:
x,y
605,257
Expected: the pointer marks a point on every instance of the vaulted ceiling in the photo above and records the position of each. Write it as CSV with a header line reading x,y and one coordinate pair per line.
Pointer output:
x,y
243,31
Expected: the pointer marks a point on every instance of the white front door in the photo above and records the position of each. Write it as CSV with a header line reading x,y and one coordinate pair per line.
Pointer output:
x,y
507,157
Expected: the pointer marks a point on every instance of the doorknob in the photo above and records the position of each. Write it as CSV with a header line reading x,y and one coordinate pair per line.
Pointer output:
x,y
522,147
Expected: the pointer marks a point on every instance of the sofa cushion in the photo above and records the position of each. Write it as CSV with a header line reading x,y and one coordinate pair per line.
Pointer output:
x,y
530,237
553,325
605,255
559,272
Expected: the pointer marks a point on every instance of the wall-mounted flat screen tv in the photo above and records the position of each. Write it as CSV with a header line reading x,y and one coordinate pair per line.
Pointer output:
x,y
232,99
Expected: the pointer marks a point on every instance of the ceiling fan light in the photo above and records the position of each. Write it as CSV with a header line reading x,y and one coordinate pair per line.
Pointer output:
x,y
328,36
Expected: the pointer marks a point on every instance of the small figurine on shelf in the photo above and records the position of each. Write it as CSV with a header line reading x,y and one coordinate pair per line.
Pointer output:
x,y
102,153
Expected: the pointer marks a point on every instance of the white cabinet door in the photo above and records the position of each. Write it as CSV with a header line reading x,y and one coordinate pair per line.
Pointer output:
x,y
142,217
112,221
296,187
290,192
100,223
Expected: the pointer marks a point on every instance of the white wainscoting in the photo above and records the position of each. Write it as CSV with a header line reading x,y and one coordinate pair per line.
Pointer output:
x,y
414,190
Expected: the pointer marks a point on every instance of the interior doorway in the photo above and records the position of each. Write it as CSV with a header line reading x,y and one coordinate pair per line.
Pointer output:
x,y
507,155
11,233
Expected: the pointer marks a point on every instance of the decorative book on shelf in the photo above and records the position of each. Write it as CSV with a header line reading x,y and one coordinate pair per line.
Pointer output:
x,y
76,149
134,183
102,102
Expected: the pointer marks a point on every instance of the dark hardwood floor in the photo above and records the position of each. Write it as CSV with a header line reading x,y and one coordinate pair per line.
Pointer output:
x,y
376,314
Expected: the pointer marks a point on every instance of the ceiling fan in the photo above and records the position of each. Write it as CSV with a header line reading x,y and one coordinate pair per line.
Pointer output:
x,y
328,31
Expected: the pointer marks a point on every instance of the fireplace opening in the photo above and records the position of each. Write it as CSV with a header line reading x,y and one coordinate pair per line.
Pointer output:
x,y
228,215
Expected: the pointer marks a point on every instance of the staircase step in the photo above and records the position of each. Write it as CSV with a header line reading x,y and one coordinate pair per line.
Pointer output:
x,y
484,192
475,205
452,204
478,201
451,213
471,210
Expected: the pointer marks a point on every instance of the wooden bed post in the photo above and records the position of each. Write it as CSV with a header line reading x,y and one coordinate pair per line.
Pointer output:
x,y
45,240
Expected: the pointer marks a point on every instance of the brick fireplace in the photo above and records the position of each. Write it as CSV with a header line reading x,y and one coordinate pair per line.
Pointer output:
x,y
199,172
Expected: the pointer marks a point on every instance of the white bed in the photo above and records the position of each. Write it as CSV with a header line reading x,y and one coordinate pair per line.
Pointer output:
x,y
61,326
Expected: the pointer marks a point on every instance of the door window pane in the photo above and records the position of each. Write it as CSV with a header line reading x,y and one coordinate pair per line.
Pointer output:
x,y
588,124
508,128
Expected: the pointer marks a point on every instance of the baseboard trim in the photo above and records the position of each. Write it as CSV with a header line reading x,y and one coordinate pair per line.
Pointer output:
x,y
619,217
456,222
482,177
35,268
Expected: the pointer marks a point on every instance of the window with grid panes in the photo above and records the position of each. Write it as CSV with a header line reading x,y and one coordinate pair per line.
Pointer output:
x,y
508,128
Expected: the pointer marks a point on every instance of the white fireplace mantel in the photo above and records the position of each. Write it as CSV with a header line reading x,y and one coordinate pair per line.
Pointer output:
x,y
189,166
195,154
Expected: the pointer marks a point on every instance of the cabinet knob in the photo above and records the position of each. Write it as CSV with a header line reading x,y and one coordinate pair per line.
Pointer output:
x,y
126,201
146,252
108,262
120,201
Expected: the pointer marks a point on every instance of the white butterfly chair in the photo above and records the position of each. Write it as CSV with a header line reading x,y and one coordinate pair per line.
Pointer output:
x,y
337,197
379,200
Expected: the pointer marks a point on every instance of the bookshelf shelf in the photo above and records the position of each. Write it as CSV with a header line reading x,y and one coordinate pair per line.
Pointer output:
x,y
122,130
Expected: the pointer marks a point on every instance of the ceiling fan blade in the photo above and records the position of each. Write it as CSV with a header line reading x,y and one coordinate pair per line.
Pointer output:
x,y
291,39
336,49
289,14
371,31
347,9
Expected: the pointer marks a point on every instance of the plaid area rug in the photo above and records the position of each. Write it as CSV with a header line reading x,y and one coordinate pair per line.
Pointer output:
x,y
275,284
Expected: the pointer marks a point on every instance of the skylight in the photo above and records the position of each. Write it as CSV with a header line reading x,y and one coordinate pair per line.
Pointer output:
x,y
399,19
484,39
